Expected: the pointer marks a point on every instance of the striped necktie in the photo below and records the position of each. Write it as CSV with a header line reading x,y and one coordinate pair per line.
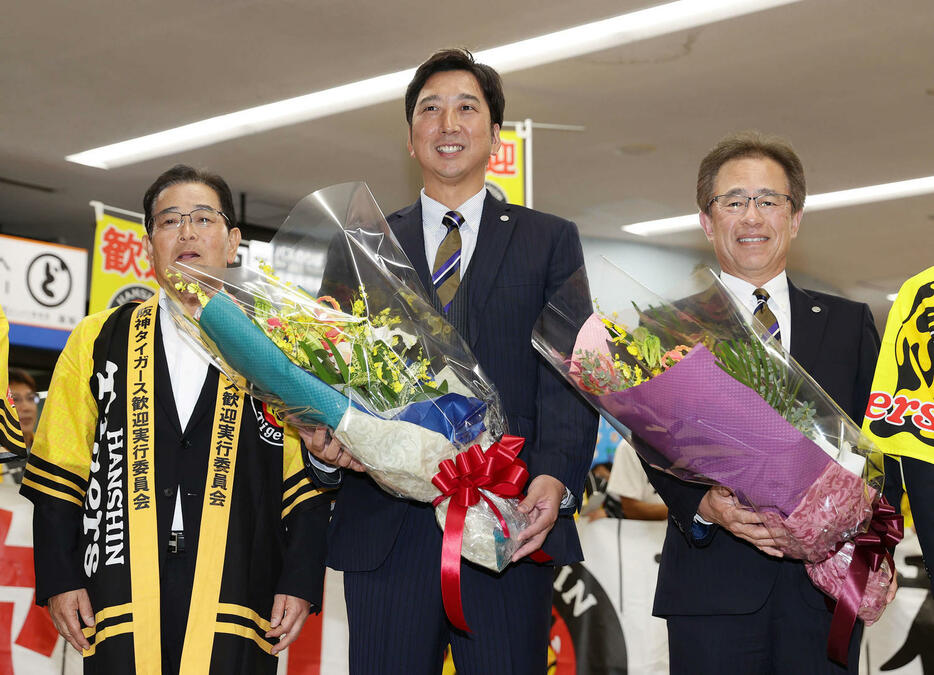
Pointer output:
x,y
446,274
765,315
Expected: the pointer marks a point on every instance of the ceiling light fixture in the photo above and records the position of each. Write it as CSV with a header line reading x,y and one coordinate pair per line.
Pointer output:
x,y
827,200
563,44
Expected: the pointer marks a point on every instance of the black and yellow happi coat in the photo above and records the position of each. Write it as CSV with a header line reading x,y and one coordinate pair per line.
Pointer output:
x,y
11,436
108,458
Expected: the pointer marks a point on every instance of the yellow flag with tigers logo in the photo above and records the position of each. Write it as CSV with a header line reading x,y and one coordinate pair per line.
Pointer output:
x,y
900,412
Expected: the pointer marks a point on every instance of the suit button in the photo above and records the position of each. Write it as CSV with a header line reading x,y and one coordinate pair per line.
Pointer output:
x,y
169,492
186,444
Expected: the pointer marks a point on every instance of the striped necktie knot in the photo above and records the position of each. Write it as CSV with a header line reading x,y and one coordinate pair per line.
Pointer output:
x,y
446,272
452,219
765,315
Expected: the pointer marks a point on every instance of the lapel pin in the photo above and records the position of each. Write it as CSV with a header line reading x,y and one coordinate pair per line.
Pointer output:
x,y
815,309
504,217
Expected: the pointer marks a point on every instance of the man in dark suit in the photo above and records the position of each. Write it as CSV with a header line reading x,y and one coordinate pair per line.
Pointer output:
x,y
732,602
489,267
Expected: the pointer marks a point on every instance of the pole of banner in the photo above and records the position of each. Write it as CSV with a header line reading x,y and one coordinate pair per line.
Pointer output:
x,y
524,131
527,133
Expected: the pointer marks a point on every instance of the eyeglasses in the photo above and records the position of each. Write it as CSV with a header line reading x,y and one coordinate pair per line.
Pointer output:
x,y
172,220
766,203
31,398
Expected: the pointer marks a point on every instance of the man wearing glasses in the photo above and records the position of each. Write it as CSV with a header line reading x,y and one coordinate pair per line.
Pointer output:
x,y
175,527
732,602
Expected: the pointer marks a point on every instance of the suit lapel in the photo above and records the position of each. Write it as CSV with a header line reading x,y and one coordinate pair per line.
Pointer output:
x,y
809,318
496,225
406,224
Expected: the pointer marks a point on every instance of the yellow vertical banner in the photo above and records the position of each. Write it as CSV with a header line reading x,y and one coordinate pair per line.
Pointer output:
x,y
120,270
505,173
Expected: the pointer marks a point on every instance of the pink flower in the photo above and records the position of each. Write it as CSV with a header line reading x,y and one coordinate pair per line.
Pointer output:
x,y
274,321
673,356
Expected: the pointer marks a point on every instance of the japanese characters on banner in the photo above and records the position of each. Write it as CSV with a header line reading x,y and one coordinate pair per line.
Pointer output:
x,y
505,173
43,289
120,269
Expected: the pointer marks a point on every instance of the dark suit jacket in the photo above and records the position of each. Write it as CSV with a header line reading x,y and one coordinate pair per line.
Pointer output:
x,y
836,341
521,258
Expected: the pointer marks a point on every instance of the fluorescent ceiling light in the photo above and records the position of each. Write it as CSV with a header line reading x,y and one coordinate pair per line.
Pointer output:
x,y
891,297
827,200
563,44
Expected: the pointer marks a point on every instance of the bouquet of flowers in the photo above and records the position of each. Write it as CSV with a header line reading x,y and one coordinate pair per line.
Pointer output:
x,y
369,357
718,403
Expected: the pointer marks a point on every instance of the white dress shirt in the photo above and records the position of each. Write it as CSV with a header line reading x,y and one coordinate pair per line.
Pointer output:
x,y
188,369
435,231
779,301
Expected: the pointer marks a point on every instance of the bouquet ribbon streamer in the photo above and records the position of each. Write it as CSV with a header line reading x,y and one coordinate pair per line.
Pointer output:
x,y
498,471
885,531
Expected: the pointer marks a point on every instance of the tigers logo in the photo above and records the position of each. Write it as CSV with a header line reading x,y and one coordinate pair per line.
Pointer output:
x,y
914,366
268,423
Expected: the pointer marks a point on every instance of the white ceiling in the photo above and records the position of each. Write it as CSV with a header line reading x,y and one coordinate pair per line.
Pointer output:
x,y
849,82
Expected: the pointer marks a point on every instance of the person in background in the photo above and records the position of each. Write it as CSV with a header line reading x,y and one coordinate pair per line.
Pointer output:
x,y
628,482
23,389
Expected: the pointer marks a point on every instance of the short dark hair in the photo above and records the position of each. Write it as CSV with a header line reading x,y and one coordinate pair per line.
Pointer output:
x,y
458,59
20,376
182,173
745,144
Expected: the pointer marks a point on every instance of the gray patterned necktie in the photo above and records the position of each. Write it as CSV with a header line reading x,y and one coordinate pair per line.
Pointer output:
x,y
765,315
446,273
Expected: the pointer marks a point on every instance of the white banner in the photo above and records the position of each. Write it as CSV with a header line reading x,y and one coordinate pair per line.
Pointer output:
x,y
43,290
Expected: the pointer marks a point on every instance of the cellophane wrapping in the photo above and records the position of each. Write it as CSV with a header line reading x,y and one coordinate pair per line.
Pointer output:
x,y
330,327
710,400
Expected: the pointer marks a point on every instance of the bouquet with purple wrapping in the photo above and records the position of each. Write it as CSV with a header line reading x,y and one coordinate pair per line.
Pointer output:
x,y
364,354
718,403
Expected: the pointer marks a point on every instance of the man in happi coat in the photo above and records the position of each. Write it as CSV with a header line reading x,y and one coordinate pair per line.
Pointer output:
x,y
175,528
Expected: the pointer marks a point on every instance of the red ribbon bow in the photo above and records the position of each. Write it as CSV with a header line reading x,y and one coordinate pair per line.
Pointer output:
x,y
498,471
886,529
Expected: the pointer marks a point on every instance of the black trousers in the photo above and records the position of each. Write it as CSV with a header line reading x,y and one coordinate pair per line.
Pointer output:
x,y
786,636
919,483
397,621
175,583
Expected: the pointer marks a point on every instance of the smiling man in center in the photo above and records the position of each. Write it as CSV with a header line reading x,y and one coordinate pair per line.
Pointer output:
x,y
489,268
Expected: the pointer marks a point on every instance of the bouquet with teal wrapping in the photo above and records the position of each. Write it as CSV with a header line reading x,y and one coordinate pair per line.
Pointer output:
x,y
364,354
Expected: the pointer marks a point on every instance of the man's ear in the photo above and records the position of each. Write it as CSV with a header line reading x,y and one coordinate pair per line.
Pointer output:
x,y
495,138
796,223
707,225
233,241
408,143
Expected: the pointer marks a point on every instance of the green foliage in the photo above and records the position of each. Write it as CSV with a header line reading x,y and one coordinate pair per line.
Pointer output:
x,y
748,362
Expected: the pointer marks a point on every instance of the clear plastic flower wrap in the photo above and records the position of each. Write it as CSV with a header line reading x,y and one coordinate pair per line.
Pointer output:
x,y
364,354
714,402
